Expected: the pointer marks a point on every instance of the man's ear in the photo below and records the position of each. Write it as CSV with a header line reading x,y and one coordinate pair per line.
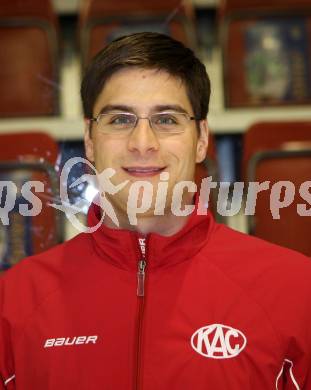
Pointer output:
x,y
202,141
88,141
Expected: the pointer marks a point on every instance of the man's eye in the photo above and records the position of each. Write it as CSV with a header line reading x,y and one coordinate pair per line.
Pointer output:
x,y
121,120
166,120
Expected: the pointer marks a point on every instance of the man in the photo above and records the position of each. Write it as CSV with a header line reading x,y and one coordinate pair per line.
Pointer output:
x,y
172,301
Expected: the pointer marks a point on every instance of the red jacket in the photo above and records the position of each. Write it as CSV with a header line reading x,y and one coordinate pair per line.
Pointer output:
x,y
220,310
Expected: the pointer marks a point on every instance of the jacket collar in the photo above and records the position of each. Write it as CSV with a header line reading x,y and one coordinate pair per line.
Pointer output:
x,y
120,247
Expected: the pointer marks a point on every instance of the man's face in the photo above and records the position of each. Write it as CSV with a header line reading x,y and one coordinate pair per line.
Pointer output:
x,y
145,92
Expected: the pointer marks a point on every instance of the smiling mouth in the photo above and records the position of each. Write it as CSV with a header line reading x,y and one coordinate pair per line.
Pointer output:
x,y
144,171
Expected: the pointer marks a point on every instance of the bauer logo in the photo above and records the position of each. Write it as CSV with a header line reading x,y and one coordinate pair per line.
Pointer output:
x,y
68,341
218,341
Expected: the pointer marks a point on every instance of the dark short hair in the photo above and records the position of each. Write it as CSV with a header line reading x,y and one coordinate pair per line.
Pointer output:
x,y
151,51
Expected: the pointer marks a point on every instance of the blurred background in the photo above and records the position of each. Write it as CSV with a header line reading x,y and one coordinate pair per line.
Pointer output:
x,y
258,56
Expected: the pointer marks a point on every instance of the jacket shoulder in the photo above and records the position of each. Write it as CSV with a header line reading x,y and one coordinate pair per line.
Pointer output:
x,y
275,278
240,249
27,284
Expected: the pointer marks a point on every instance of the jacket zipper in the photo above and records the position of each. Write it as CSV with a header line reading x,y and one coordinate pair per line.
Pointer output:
x,y
141,276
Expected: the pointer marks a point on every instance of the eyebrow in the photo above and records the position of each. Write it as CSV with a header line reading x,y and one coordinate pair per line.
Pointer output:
x,y
170,107
158,108
115,107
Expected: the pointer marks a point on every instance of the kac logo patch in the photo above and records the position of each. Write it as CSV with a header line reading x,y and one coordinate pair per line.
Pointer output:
x,y
218,341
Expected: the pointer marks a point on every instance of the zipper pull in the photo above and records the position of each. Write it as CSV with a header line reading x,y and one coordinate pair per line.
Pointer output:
x,y
141,278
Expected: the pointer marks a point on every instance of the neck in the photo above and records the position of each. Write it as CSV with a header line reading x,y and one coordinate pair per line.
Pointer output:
x,y
165,225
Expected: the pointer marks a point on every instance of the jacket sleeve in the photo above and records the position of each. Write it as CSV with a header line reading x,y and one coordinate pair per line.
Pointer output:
x,y
290,312
294,376
297,361
307,384
7,375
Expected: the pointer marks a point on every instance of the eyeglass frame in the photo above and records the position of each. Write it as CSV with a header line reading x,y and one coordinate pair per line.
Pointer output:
x,y
190,118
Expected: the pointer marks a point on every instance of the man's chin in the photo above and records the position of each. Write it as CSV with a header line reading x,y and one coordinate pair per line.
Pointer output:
x,y
140,205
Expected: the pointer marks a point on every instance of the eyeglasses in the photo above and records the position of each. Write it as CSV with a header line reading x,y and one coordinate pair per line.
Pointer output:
x,y
125,122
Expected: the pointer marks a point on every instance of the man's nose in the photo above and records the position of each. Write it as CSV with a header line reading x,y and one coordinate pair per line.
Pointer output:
x,y
143,139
